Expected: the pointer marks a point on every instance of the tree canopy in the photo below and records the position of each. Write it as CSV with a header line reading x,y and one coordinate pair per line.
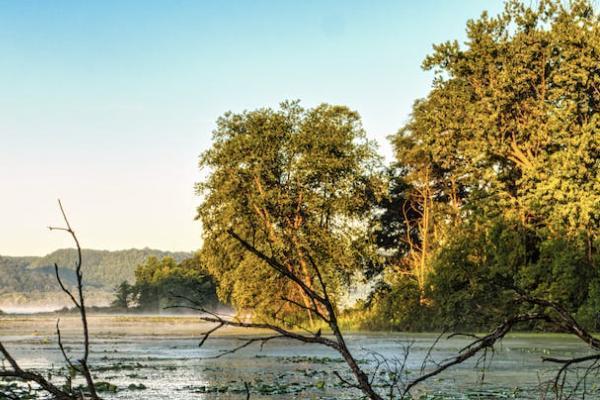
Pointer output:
x,y
164,283
495,186
499,165
300,185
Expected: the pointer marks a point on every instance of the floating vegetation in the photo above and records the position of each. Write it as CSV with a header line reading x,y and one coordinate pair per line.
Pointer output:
x,y
120,367
147,369
17,390
106,387
311,360
480,394
139,386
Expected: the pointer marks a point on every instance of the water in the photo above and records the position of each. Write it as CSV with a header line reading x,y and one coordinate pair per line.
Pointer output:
x,y
159,358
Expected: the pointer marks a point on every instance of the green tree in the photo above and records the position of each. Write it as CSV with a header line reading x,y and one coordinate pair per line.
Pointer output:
x,y
123,295
485,264
163,283
507,137
513,115
300,185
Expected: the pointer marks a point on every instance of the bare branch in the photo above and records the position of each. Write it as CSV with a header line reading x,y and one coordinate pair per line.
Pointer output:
x,y
469,351
345,381
62,348
207,334
248,342
18,373
428,354
64,289
273,263
302,306
275,328
247,389
9,358
80,304
560,377
314,297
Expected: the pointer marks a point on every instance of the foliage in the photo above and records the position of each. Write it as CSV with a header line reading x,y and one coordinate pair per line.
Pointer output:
x,y
17,275
163,283
513,116
497,179
107,268
299,185
124,295
394,306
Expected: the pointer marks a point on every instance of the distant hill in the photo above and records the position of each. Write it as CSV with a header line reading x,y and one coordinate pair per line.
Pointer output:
x,y
28,283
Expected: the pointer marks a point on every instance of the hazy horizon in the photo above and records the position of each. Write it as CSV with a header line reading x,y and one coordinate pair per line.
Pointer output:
x,y
107,105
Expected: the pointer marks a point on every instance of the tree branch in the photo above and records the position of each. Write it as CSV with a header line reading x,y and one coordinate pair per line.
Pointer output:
x,y
472,349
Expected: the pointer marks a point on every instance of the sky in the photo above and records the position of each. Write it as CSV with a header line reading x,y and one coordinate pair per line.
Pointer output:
x,y
108,104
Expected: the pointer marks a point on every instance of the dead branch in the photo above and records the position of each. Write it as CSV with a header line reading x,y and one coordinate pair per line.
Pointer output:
x,y
277,266
561,375
323,307
320,304
474,348
27,376
62,348
81,365
430,349
266,326
248,342
79,304
563,319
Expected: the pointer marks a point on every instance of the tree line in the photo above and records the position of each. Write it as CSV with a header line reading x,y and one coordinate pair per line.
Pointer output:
x,y
104,269
495,187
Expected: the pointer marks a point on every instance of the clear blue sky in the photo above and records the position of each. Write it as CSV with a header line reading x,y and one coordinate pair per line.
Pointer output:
x,y
107,104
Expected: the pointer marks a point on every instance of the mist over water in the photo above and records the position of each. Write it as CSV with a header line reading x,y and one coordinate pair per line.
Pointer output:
x,y
28,309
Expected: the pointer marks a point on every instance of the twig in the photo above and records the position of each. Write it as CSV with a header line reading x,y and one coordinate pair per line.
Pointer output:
x,y
247,343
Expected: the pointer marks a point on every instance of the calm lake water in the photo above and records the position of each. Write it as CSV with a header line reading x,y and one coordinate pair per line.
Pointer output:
x,y
159,358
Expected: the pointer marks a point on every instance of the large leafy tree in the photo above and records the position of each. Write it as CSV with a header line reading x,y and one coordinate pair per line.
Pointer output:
x,y
507,137
513,115
299,185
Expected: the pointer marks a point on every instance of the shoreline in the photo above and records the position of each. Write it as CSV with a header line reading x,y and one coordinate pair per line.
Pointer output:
x,y
169,325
